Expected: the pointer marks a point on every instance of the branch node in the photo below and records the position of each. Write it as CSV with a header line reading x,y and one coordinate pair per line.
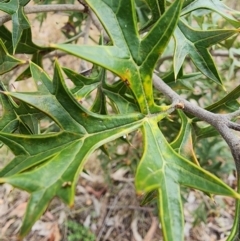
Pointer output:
x,y
179,105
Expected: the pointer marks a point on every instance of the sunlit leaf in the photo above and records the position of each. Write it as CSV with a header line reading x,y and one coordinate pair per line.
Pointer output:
x,y
162,169
132,58
76,140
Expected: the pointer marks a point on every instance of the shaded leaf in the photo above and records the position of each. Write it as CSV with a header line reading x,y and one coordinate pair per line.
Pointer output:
x,y
8,121
83,85
183,144
195,44
7,62
149,197
37,59
185,81
206,132
19,117
19,20
121,96
214,5
99,105
25,44
227,102
157,8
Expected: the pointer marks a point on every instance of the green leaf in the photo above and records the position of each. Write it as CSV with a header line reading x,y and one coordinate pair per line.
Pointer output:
x,y
224,103
99,105
218,6
157,8
37,59
7,62
206,132
121,96
83,85
8,121
162,169
132,57
185,81
149,11
25,44
19,21
183,144
235,233
149,197
118,93
65,152
9,7
48,165
24,2
195,44
19,117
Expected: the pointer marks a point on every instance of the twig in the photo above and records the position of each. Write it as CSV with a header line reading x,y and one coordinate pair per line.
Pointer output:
x,y
85,40
131,207
216,53
45,8
221,122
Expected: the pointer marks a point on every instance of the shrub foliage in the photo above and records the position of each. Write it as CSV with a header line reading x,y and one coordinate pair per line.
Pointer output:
x,y
135,38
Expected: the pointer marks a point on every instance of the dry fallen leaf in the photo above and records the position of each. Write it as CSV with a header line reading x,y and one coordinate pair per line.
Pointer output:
x,y
135,232
55,234
19,210
6,226
50,230
150,234
119,174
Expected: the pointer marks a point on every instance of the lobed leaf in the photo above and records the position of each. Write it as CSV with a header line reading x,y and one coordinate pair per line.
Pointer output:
x,y
157,8
7,61
163,169
194,43
65,152
19,20
118,93
83,85
25,44
132,58
224,103
218,6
